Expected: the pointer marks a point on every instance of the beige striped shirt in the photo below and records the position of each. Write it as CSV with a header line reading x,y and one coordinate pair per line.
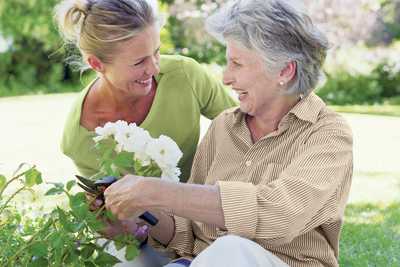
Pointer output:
x,y
287,191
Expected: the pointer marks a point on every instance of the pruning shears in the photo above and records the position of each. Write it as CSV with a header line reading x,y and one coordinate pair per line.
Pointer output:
x,y
98,187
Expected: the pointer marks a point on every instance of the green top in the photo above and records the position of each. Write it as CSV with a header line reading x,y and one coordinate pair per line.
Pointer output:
x,y
185,90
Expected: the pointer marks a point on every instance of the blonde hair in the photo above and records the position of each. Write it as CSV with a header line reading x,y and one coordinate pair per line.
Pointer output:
x,y
95,27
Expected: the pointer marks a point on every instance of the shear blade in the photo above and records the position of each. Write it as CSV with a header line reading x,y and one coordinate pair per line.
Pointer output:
x,y
88,189
87,182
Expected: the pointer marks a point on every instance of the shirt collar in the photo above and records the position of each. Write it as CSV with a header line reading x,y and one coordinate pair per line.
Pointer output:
x,y
307,109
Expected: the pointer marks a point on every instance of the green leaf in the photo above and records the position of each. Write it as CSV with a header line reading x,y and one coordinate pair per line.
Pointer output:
x,y
80,211
58,185
79,205
93,223
38,262
3,181
67,223
118,244
105,259
39,249
88,251
54,191
109,215
89,264
70,184
33,177
131,252
71,257
106,167
77,199
56,241
124,160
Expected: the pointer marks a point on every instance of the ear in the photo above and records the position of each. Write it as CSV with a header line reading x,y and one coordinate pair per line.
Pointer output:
x,y
95,63
288,72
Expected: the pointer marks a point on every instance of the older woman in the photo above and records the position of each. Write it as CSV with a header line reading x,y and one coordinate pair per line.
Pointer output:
x,y
270,179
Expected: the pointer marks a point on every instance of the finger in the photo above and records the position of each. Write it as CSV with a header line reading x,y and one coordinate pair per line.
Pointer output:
x,y
129,226
122,216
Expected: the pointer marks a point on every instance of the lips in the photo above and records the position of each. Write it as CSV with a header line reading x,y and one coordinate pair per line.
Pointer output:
x,y
241,94
144,82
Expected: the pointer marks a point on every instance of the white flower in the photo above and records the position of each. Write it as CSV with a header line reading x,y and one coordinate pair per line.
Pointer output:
x,y
137,140
111,129
171,174
145,149
104,132
164,151
122,135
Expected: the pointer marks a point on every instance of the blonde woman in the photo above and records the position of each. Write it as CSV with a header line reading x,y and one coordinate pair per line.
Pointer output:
x,y
120,41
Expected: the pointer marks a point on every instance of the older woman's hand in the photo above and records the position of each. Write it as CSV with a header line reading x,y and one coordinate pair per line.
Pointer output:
x,y
133,226
128,197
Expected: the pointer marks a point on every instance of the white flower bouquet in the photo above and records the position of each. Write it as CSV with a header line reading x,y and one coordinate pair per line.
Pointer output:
x,y
126,148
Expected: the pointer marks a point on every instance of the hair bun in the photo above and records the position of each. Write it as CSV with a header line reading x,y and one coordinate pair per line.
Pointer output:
x,y
83,6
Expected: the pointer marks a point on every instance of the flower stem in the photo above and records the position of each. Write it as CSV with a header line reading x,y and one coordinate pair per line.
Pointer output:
x,y
11,197
15,178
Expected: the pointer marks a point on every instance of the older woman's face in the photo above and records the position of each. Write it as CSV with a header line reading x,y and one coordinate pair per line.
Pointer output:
x,y
135,63
247,76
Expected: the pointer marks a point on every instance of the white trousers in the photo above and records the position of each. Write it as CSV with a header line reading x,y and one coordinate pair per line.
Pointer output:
x,y
227,251
235,251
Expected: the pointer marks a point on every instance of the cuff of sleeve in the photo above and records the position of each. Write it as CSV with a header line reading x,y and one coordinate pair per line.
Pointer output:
x,y
154,243
239,205
183,240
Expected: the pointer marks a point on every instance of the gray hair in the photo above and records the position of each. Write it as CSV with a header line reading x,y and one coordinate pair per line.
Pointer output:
x,y
281,31
96,26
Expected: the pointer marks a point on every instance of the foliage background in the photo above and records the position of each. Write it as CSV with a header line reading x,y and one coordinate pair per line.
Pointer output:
x,y
362,68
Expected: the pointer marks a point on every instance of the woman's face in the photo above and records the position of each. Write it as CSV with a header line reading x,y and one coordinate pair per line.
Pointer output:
x,y
135,63
247,75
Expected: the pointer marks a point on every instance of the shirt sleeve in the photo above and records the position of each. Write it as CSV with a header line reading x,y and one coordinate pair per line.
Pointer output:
x,y
309,192
212,96
183,240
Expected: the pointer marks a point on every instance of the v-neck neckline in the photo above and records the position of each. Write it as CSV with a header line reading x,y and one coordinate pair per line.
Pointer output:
x,y
144,123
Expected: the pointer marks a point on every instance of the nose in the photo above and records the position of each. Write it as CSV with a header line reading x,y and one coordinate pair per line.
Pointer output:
x,y
227,77
153,67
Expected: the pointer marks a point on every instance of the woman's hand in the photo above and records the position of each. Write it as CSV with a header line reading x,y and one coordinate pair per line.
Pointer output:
x,y
129,197
133,226
94,202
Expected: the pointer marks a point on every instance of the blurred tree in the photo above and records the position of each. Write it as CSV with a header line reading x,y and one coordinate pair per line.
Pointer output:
x,y
388,26
35,57
345,22
186,26
31,59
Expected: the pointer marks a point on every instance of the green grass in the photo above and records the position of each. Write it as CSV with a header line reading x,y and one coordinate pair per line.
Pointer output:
x,y
371,236
386,110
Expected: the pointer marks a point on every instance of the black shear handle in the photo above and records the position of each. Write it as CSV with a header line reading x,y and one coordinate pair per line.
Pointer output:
x,y
149,218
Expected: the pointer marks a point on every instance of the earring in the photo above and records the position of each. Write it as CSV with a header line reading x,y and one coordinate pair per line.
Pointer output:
x,y
281,83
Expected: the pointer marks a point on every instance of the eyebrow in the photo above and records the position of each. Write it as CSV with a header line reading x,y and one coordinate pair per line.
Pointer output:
x,y
140,59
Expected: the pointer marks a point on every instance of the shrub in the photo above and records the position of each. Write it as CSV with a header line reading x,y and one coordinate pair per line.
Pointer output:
x,y
61,237
343,88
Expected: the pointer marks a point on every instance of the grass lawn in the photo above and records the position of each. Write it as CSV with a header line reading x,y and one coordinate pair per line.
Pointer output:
x,y
387,110
371,236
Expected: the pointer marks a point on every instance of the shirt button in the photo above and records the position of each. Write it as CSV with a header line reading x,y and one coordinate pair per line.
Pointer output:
x,y
248,163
